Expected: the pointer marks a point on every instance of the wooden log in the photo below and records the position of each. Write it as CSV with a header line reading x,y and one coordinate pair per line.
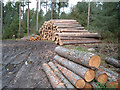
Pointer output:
x,y
101,77
74,38
85,35
85,58
72,31
77,81
55,82
87,86
113,62
61,42
85,73
108,70
113,84
60,76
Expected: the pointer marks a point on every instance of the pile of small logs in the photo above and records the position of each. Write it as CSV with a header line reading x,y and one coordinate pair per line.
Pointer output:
x,y
67,32
78,69
35,38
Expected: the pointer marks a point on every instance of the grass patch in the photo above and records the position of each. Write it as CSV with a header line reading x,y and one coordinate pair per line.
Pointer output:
x,y
81,49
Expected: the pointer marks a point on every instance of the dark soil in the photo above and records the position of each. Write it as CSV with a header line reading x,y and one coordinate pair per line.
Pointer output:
x,y
22,63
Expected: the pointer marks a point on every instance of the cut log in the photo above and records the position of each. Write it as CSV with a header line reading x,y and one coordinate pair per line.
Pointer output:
x,y
101,77
60,76
74,38
77,81
72,31
113,84
113,62
55,82
85,73
85,58
85,35
87,86
61,42
109,71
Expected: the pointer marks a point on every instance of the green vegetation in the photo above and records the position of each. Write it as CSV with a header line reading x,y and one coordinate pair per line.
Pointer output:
x,y
81,49
104,18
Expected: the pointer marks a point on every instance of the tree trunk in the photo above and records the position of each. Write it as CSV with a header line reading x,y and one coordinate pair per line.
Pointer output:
x,y
37,16
101,77
85,58
51,9
88,14
60,76
23,10
55,82
85,73
77,81
46,7
1,16
113,62
19,19
28,21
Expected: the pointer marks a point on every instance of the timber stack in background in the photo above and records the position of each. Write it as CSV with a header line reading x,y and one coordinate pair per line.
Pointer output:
x,y
67,31
78,69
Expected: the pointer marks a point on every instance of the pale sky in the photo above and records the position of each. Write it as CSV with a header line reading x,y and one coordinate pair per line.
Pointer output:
x,y
33,5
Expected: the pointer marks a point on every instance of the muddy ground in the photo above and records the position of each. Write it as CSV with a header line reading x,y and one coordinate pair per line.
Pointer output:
x,y
22,63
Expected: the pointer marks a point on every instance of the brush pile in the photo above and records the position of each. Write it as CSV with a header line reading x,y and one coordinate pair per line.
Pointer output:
x,y
78,69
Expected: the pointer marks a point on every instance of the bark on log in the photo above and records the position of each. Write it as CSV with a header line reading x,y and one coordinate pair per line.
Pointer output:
x,y
84,58
113,84
77,81
56,83
60,76
109,71
78,42
113,62
85,73
74,38
101,77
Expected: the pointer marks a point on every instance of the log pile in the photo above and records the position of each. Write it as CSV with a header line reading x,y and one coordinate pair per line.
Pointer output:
x,y
64,32
35,38
76,69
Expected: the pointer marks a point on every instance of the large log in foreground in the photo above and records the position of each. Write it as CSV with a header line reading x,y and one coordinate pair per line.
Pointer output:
x,y
85,73
84,58
60,76
56,83
77,81
113,62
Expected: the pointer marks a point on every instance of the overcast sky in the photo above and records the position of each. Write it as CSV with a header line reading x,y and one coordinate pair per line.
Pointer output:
x,y
33,5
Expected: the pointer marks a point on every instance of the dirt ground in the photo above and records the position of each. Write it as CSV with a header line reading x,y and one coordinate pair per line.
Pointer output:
x,y
22,63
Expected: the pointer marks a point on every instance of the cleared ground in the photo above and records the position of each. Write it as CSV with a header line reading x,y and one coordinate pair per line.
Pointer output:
x,y
22,63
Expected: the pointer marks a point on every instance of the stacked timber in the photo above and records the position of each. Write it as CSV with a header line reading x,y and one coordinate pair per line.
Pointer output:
x,y
67,32
34,37
78,69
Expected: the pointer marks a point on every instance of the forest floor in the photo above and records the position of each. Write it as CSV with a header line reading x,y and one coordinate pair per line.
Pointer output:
x,y
22,61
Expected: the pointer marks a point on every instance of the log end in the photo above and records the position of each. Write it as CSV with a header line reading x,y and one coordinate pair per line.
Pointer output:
x,y
87,86
80,83
102,78
95,61
113,84
89,75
